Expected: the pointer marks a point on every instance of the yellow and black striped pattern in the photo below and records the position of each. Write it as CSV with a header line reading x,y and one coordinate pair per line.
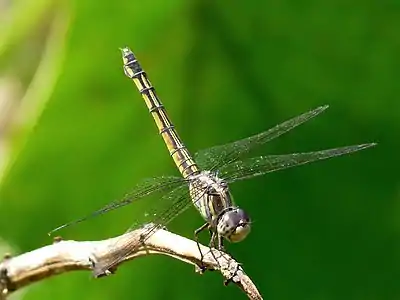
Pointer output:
x,y
176,148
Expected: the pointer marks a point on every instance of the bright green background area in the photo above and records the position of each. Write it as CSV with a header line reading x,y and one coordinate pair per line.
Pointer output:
x,y
224,70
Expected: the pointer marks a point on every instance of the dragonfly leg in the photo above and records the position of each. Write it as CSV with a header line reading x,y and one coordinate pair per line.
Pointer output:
x,y
213,244
221,243
213,241
196,237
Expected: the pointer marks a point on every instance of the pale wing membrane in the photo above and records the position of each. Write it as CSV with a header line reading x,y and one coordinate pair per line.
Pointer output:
x,y
178,201
215,157
145,188
257,166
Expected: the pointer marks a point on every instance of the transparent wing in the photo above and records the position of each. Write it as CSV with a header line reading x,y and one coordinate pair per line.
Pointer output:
x,y
215,157
178,201
143,189
266,164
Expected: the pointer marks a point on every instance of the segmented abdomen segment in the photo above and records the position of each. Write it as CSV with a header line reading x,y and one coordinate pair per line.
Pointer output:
x,y
181,156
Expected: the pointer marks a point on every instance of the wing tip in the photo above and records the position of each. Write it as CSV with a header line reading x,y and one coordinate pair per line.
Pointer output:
x,y
322,108
368,145
316,111
56,229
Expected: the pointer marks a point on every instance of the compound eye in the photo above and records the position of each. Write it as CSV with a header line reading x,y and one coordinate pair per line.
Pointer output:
x,y
234,225
240,233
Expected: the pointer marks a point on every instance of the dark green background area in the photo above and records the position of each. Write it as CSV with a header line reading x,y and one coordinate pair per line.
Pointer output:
x,y
224,70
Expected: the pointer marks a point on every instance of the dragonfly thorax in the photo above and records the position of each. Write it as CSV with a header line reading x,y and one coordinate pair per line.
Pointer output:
x,y
211,196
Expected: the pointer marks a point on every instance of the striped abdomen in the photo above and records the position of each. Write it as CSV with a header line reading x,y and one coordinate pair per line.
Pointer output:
x,y
177,150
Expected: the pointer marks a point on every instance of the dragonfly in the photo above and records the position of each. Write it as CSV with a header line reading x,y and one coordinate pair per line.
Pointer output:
x,y
206,176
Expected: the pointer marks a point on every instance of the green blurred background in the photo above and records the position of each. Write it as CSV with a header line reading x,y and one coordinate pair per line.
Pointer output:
x,y
75,134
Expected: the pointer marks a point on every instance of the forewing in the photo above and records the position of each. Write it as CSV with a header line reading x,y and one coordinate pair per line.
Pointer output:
x,y
215,157
257,166
176,202
143,189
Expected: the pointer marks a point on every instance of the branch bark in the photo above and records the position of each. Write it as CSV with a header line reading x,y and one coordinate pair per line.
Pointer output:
x,y
63,256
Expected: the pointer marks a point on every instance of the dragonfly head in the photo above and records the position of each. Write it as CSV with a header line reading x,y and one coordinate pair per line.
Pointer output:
x,y
234,224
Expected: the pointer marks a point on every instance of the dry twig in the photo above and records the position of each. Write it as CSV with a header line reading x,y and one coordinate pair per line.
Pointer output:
x,y
63,256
